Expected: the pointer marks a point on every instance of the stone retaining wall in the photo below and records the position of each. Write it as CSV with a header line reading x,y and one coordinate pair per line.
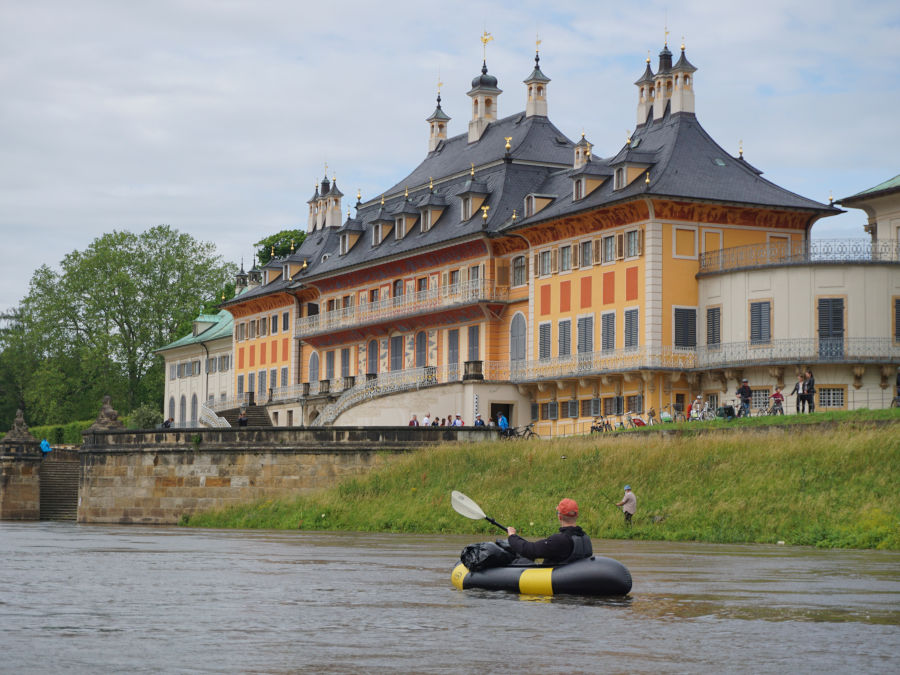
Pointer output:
x,y
155,477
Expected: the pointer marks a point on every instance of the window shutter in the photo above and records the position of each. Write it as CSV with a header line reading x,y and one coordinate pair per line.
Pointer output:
x,y
444,283
620,405
503,273
640,243
575,252
585,335
596,407
534,411
573,408
631,328
544,341
565,338
536,269
685,327
553,411
620,245
597,244
713,325
608,330
760,329
554,258
896,319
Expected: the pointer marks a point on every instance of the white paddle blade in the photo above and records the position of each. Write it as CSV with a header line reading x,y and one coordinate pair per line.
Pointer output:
x,y
465,506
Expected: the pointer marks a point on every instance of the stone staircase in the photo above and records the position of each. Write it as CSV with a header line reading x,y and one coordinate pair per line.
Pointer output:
x,y
256,416
59,487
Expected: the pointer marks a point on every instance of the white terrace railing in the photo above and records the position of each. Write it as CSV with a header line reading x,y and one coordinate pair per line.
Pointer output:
x,y
229,403
805,351
208,418
815,251
478,290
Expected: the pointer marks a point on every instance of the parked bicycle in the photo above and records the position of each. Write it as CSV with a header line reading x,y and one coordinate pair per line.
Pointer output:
x,y
704,414
600,425
526,433
672,413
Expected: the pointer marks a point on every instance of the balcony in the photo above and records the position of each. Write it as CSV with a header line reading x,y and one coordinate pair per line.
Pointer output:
x,y
445,297
813,252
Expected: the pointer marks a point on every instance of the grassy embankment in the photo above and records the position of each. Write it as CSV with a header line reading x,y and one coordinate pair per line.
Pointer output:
x,y
832,487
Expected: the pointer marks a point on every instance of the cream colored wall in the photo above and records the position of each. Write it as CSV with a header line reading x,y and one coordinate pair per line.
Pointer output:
x,y
202,385
441,401
868,291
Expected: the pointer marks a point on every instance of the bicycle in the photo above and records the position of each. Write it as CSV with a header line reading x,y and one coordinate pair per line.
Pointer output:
x,y
527,433
634,420
651,417
600,425
674,414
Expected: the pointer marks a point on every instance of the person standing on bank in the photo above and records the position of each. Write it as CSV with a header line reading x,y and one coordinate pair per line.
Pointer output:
x,y
810,391
628,504
745,393
799,385
571,543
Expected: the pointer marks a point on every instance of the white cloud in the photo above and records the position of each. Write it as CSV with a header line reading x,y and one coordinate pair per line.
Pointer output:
x,y
216,117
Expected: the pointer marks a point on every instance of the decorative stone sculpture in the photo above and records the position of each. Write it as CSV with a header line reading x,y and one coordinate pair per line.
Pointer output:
x,y
107,419
19,431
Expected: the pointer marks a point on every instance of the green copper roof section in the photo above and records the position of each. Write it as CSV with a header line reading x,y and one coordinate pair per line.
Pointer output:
x,y
222,327
891,184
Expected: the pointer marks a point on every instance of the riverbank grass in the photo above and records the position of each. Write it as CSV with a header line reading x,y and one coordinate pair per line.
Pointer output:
x,y
834,487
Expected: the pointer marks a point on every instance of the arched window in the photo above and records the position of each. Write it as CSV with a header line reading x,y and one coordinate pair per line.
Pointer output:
x,y
182,411
314,367
520,271
194,410
372,358
578,189
517,340
171,408
398,291
421,347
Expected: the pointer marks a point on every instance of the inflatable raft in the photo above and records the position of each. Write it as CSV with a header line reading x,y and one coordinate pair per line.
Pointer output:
x,y
590,576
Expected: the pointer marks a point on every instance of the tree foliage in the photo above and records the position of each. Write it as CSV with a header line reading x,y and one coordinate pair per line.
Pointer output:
x,y
91,329
283,243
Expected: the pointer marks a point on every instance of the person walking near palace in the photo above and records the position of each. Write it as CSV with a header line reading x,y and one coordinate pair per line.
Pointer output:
x,y
799,386
628,504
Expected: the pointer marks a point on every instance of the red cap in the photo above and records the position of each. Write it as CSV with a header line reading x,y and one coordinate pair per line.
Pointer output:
x,y
568,508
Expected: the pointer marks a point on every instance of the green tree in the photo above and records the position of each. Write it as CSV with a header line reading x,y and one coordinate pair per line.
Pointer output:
x,y
95,324
283,243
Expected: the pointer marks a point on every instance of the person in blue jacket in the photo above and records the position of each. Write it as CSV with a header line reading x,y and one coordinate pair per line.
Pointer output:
x,y
503,423
45,448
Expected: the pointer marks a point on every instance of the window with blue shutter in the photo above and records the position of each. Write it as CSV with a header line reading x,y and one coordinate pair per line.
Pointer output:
x,y
760,323
685,327
565,337
608,331
632,339
544,341
713,325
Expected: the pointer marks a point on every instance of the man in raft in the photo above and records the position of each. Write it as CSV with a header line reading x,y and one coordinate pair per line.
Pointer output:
x,y
571,543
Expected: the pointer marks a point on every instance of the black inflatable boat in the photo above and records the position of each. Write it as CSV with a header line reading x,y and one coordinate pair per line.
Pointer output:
x,y
591,576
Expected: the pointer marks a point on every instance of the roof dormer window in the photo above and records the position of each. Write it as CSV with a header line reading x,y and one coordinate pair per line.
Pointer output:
x,y
620,178
345,244
529,206
578,192
376,234
399,228
466,208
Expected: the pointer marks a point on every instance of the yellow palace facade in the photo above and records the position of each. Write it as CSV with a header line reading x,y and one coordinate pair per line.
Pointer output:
x,y
515,270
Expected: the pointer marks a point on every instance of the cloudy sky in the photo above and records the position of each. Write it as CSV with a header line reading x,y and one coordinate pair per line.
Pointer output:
x,y
216,117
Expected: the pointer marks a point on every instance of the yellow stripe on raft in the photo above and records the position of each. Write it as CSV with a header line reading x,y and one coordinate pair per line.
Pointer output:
x,y
535,582
459,573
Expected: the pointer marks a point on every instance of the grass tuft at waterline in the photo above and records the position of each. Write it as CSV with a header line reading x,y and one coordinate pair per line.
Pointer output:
x,y
835,487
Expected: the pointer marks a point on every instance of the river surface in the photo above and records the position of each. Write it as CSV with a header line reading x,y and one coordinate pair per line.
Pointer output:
x,y
98,599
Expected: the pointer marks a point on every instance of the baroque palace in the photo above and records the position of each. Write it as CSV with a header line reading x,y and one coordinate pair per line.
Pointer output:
x,y
515,270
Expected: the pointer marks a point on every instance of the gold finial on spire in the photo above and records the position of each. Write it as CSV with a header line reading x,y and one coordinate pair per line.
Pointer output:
x,y
305,265
333,178
292,245
537,41
348,215
741,149
484,210
272,253
440,84
647,179
667,28
485,38
472,170
358,195
648,57
223,296
317,186
514,216
682,43
406,191
430,183
326,169
830,197
382,200
507,139
627,137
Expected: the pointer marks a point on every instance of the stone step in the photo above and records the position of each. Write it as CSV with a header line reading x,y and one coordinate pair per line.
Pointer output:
x,y
59,489
256,416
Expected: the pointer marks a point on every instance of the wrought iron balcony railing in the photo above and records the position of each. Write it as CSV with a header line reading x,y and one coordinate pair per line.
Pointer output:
x,y
814,251
479,290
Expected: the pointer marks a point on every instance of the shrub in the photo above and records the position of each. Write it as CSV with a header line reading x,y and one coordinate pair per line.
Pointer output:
x,y
145,417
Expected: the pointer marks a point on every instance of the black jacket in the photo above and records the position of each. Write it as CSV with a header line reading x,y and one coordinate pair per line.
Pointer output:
x,y
556,549
811,385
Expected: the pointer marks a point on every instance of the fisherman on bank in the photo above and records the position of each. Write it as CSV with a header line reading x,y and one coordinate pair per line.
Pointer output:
x,y
628,504
571,543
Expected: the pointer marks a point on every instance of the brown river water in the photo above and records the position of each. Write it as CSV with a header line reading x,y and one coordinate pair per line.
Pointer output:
x,y
93,599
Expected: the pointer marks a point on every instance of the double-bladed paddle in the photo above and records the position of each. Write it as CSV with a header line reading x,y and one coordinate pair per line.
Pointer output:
x,y
466,507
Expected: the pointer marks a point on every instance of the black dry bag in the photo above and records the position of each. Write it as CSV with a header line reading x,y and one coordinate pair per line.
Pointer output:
x,y
486,555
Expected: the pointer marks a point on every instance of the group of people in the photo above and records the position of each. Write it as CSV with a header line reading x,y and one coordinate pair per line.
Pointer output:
x,y
448,421
805,390
457,421
571,543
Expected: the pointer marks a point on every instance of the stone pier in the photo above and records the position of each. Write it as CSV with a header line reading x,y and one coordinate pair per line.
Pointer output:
x,y
20,477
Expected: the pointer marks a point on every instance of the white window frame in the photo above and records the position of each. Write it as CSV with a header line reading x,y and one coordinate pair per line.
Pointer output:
x,y
542,256
586,261
603,332
636,233
603,240
685,228
524,281
561,268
